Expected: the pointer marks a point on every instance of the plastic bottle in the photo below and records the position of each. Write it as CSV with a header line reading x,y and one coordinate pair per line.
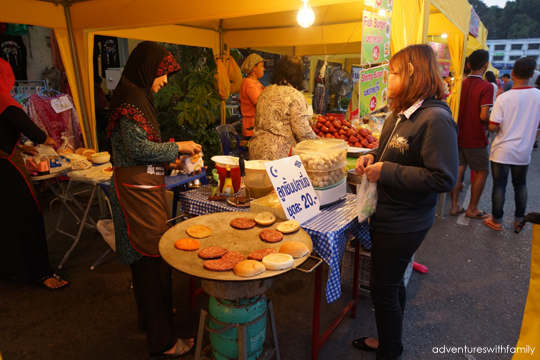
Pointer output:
x,y
228,189
215,182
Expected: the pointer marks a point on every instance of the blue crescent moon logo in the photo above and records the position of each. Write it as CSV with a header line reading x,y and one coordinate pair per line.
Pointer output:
x,y
274,174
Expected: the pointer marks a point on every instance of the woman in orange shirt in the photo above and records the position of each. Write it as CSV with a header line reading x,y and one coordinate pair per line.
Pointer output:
x,y
250,90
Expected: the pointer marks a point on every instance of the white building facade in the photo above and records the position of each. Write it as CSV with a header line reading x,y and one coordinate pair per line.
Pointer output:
x,y
504,53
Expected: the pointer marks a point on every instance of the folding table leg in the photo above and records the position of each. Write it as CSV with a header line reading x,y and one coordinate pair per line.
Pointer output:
x,y
200,335
81,226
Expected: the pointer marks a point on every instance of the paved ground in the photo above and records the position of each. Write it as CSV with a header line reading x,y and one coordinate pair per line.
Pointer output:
x,y
473,295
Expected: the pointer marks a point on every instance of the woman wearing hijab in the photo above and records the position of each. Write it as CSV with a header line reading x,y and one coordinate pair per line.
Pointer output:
x,y
138,198
250,90
23,245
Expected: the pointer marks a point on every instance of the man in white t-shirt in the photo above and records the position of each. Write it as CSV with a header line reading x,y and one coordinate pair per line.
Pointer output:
x,y
515,118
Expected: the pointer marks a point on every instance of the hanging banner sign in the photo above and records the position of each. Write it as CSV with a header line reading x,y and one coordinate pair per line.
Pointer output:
x,y
375,38
444,67
294,190
474,24
441,50
373,89
380,4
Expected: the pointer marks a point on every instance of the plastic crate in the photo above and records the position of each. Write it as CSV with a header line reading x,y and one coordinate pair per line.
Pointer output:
x,y
347,271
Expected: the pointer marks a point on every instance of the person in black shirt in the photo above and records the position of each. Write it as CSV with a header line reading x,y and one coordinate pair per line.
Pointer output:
x,y
24,254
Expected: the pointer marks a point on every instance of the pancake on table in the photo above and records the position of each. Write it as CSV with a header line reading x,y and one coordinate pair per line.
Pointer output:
x,y
261,253
243,223
199,231
212,252
187,244
271,236
233,256
219,265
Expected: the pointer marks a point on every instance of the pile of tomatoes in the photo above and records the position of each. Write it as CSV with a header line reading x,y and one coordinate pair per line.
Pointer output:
x,y
332,127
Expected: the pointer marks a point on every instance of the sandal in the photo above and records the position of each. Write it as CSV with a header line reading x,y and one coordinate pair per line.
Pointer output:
x,y
63,283
480,216
182,348
495,226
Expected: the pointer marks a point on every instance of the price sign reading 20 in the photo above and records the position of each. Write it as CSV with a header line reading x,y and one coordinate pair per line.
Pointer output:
x,y
295,192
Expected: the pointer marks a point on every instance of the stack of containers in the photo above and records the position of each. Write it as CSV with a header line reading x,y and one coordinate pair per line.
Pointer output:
x,y
325,161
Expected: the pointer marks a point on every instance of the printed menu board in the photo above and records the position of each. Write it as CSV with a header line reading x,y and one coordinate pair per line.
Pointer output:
x,y
444,67
375,38
441,50
373,89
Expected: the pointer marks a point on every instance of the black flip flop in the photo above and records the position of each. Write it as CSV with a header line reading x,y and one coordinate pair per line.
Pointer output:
x,y
479,216
361,344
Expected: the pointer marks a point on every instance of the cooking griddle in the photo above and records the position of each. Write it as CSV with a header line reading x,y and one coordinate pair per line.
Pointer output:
x,y
224,235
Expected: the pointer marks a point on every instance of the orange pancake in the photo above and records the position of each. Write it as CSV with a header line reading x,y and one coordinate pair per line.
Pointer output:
x,y
187,244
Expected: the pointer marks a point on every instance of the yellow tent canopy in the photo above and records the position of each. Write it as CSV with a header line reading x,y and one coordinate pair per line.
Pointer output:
x,y
238,23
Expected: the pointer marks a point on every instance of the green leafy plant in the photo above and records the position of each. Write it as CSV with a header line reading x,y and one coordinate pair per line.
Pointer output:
x,y
188,107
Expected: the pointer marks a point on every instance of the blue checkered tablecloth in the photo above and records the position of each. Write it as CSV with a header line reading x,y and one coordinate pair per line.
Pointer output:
x,y
328,230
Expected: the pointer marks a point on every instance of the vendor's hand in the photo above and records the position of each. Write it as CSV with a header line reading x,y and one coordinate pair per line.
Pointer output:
x,y
189,147
49,141
362,162
30,150
373,172
176,165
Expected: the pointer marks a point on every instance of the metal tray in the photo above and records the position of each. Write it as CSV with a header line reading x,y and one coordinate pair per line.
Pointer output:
x,y
223,234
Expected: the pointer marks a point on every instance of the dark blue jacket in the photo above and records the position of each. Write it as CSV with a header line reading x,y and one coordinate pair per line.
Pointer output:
x,y
420,162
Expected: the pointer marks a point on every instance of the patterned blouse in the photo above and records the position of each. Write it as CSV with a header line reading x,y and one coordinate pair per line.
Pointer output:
x,y
281,121
131,148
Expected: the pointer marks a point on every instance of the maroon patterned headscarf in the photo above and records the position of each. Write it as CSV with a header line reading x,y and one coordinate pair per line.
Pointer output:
x,y
132,97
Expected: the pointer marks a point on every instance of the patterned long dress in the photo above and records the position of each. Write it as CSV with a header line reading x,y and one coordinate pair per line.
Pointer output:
x,y
281,121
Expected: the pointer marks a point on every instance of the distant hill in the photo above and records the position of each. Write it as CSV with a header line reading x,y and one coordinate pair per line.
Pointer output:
x,y
517,20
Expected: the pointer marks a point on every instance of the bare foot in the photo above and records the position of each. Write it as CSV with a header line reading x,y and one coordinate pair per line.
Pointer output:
x,y
372,342
54,283
186,345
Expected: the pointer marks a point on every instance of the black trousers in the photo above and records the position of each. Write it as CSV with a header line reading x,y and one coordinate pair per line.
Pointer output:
x,y
152,286
390,255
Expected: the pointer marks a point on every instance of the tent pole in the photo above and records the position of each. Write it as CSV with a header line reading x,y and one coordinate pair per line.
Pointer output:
x,y
75,58
223,108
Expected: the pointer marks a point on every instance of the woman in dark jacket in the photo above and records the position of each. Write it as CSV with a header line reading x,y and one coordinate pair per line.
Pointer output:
x,y
24,254
138,197
417,159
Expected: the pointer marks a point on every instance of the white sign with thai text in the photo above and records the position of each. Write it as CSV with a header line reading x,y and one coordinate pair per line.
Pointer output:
x,y
61,104
294,190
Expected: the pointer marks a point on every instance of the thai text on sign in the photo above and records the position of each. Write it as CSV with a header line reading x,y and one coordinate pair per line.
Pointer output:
x,y
294,190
